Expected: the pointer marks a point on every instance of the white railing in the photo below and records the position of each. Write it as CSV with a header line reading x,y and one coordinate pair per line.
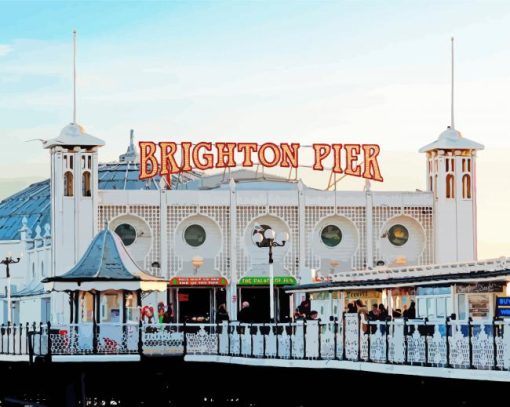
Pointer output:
x,y
441,343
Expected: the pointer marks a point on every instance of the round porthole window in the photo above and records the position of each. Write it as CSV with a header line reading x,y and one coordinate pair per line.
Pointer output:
x,y
127,233
398,235
331,235
194,235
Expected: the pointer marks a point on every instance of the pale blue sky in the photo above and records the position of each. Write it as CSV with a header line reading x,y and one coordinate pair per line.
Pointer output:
x,y
336,71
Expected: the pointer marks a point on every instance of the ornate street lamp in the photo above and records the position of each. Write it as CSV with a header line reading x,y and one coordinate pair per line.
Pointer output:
x,y
7,261
268,238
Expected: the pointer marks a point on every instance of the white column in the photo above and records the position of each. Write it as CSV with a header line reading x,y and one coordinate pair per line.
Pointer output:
x,y
302,239
271,292
232,287
163,222
369,229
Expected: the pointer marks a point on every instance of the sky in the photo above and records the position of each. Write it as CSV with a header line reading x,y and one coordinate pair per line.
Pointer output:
x,y
301,71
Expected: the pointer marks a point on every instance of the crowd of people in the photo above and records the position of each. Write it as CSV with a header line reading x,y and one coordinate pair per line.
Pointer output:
x,y
378,312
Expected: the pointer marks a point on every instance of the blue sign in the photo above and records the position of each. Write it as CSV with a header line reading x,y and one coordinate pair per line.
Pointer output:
x,y
503,306
503,301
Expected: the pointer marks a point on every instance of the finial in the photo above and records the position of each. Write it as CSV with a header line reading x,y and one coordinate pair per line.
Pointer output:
x,y
74,76
38,232
47,230
452,104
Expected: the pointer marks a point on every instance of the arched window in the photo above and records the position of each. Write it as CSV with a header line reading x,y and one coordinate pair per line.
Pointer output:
x,y
450,186
466,186
86,184
68,184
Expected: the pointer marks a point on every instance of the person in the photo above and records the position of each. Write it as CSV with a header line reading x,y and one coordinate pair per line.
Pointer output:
x,y
410,313
304,308
362,311
314,315
168,315
374,316
161,312
147,314
222,314
298,316
397,313
351,308
244,315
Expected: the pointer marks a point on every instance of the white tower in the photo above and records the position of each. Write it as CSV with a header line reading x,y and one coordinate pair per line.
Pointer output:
x,y
74,187
451,177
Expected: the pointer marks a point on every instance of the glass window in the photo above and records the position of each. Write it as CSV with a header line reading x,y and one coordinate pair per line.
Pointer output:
x,y
422,311
132,311
86,307
462,306
85,185
331,235
194,235
441,307
68,184
398,235
110,308
431,312
450,186
127,233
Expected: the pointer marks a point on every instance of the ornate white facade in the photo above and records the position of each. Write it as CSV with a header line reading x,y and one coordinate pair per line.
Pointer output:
x,y
331,232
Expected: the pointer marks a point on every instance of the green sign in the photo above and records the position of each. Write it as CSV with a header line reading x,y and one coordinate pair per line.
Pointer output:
x,y
281,280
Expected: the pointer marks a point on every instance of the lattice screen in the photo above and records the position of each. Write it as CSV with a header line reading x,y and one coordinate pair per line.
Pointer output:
x,y
314,214
220,214
422,214
148,213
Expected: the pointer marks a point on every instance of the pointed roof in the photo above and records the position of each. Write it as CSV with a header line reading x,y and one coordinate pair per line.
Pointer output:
x,y
74,135
106,261
131,154
451,139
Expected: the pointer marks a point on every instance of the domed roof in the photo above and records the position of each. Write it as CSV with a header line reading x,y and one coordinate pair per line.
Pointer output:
x,y
34,201
451,139
73,135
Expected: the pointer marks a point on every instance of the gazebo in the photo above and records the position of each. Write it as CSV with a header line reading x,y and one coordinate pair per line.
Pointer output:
x,y
105,289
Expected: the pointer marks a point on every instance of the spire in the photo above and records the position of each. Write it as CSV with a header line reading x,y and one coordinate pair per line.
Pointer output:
x,y
74,76
452,97
131,155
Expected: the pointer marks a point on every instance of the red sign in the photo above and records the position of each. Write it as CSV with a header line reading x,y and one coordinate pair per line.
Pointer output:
x,y
183,297
359,160
199,281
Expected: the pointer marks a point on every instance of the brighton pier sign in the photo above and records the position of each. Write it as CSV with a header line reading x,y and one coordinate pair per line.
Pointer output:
x,y
358,160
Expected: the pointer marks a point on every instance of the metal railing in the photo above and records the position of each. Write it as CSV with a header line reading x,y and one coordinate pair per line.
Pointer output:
x,y
439,343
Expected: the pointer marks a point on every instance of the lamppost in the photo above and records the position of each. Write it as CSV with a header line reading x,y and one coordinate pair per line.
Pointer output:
x,y
266,237
7,261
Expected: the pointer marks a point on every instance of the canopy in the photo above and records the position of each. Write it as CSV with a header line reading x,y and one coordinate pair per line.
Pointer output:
x,y
106,265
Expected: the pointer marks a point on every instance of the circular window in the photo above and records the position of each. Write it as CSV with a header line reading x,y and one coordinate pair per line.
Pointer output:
x,y
127,233
194,235
398,235
331,235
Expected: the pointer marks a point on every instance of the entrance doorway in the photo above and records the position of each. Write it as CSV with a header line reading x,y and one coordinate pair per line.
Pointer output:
x,y
258,297
199,304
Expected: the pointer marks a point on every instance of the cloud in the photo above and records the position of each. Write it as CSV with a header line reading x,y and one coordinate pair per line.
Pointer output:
x,y
5,49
